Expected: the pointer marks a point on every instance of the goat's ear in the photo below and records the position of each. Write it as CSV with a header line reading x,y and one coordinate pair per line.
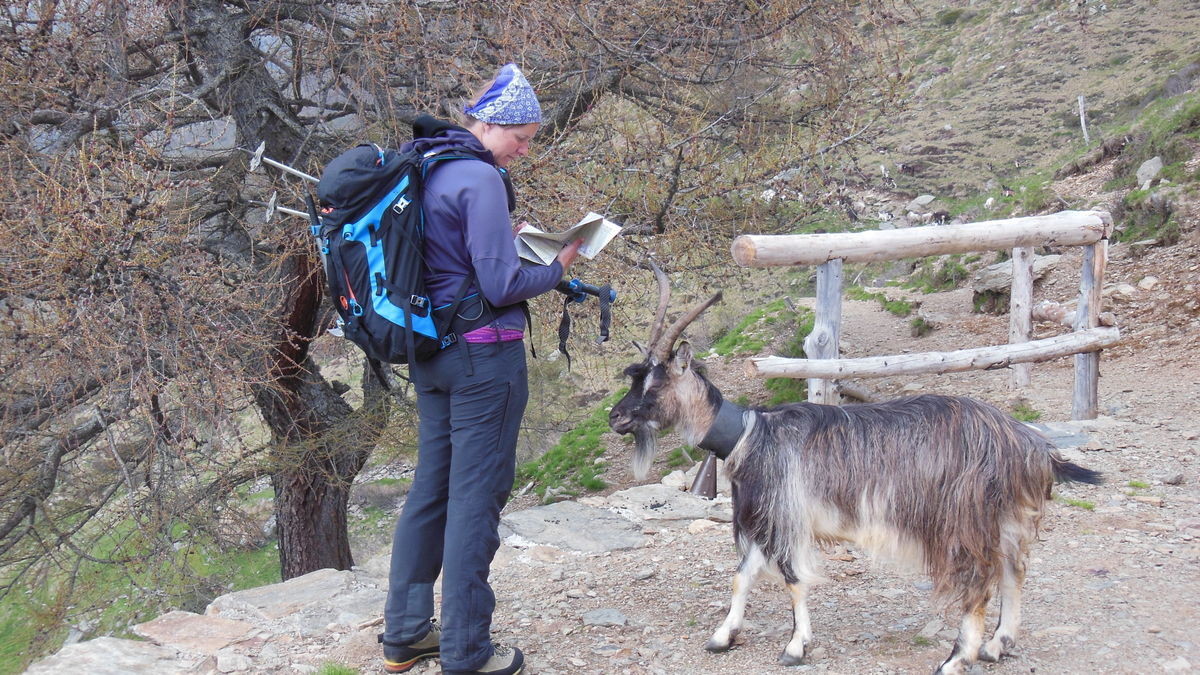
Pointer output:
x,y
682,360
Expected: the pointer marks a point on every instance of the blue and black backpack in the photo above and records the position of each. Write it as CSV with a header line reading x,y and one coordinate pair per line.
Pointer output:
x,y
370,231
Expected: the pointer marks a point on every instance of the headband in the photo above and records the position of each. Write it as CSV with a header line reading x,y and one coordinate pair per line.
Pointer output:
x,y
510,100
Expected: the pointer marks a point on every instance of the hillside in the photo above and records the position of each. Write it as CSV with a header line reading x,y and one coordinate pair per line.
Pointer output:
x,y
996,85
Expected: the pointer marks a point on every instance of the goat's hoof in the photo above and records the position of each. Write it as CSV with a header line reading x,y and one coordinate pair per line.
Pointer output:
x,y
786,659
996,649
951,668
717,647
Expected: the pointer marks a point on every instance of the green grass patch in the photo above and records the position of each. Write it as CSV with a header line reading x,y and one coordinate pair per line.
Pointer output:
x,y
1078,503
1138,484
919,327
900,308
756,329
786,390
336,669
1025,412
570,466
680,457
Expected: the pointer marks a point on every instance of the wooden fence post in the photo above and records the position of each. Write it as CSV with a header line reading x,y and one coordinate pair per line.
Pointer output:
x,y
1085,403
1020,310
825,339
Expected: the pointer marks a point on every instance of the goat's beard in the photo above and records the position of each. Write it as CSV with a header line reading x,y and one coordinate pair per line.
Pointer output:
x,y
646,438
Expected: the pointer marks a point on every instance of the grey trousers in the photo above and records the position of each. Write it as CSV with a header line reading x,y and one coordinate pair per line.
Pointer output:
x,y
469,420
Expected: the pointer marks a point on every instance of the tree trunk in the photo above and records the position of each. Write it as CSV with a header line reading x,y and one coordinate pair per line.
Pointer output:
x,y
315,467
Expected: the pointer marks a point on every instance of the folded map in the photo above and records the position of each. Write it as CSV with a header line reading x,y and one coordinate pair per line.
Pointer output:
x,y
541,247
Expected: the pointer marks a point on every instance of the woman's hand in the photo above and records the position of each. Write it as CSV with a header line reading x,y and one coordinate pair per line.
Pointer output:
x,y
568,254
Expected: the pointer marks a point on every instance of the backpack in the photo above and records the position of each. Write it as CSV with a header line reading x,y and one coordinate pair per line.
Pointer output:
x,y
370,232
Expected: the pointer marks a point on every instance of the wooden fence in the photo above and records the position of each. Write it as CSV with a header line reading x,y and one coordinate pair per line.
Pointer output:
x,y
1089,229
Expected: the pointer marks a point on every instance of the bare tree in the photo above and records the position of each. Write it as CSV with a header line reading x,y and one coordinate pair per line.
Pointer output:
x,y
152,322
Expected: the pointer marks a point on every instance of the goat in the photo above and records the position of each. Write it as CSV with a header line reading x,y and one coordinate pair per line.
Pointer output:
x,y
948,484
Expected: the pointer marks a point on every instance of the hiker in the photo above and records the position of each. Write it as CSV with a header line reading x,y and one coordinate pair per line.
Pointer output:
x,y
471,395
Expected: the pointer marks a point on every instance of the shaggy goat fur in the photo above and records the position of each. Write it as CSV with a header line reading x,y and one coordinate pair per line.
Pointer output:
x,y
950,485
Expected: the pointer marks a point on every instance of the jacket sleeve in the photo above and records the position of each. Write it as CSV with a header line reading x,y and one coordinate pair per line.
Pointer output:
x,y
501,276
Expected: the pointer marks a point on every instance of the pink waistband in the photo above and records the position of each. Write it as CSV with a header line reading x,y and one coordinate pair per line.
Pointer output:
x,y
493,334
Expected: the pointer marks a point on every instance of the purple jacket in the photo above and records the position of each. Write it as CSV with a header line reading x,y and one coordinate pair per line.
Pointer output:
x,y
467,227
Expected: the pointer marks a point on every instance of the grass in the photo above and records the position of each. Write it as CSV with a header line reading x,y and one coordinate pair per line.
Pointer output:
x,y
571,465
900,308
920,327
756,329
680,457
1078,503
1138,484
110,598
336,669
1024,412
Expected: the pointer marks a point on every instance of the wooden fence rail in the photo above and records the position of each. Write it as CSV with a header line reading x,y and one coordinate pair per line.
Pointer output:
x,y
1089,229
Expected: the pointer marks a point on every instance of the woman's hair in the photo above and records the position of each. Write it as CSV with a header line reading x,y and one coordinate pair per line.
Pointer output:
x,y
465,119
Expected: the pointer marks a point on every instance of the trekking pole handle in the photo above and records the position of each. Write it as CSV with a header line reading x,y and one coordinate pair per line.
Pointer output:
x,y
258,158
579,290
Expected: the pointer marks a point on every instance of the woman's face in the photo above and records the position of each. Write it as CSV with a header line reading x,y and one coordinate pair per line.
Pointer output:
x,y
507,142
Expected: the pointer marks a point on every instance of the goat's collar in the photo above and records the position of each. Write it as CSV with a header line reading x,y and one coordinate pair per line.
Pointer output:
x,y
726,430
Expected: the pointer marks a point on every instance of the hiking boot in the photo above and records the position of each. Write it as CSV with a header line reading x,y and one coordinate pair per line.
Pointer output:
x,y
505,661
401,658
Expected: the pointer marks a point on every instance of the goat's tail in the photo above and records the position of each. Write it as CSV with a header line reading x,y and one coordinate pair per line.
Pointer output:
x,y
1069,472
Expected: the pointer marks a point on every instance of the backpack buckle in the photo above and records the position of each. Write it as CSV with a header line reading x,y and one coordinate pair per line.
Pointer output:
x,y
419,302
447,340
401,203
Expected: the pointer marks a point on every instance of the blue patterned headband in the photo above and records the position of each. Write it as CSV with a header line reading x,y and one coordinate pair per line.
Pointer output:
x,y
510,100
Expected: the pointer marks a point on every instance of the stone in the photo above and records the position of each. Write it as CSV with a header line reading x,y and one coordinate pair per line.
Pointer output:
x,y
998,277
307,604
698,526
918,204
676,479
659,502
1177,665
1148,283
574,526
193,632
115,656
931,629
1148,171
1191,525
229,661
604,617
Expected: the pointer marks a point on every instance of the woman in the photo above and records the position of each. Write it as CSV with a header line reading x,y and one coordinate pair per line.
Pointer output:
x,y
471,395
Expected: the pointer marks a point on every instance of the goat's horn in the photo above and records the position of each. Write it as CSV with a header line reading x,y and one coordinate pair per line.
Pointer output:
x,y
664,298
662,349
